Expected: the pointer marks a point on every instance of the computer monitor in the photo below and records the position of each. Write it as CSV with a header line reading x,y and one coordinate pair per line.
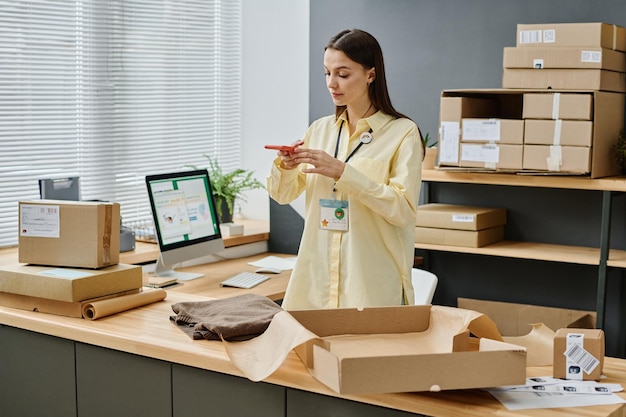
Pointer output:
x,y
185,220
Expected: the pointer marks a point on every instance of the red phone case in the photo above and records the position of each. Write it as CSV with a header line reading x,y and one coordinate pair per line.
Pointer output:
x,y
287,148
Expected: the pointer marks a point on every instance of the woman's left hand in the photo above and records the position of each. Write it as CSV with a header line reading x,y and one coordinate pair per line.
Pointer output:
x,y
319,163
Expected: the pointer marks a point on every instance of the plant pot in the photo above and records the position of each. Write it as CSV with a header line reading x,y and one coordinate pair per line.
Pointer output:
x,y
223,211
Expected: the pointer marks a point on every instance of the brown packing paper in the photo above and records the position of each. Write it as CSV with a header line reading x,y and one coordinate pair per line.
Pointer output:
x,y
538,344
50,306
98,309
258,358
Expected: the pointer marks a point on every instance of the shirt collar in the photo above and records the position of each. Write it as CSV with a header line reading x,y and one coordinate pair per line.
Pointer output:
x,y
375,122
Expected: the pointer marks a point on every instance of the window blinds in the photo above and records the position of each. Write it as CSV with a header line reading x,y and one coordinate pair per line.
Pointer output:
x,y
112,91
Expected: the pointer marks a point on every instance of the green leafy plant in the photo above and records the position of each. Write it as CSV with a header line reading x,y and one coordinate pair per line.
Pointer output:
x,y
428,141
620,151
229,186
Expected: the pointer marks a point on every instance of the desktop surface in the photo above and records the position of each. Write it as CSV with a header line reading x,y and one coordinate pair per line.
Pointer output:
x,y
214,273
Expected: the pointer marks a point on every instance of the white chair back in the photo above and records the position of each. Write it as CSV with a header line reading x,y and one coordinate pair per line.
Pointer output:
x,y
424,284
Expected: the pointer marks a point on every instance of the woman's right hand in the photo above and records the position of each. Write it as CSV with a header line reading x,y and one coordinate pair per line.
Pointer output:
x,y
288,158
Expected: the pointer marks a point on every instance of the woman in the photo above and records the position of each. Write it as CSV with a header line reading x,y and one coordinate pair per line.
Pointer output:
x,y
361,170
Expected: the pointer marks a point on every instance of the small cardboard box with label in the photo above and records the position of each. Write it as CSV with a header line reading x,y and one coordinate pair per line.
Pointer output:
x,y
82,234
578,354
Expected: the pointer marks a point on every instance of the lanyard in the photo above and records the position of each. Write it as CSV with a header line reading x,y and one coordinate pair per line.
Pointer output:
x,y
365,138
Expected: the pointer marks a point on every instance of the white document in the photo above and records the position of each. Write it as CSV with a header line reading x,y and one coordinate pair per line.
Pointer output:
x,y
548,392
38,220
284,264
487,153
449,143
481,129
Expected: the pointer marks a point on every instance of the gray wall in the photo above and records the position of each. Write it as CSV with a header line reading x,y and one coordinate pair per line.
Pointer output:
x,y
435,45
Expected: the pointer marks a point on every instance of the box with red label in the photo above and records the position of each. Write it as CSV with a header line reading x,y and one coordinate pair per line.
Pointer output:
x,y
82,234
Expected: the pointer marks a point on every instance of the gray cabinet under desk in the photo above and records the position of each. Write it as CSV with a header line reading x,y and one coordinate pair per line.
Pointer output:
x,y
49,376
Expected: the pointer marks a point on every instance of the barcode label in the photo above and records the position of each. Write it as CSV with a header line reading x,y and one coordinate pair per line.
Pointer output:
x,y
577,354
530,36
463,218
549,36
591,56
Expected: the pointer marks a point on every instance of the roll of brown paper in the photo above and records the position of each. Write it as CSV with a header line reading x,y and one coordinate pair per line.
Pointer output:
x,y
102,308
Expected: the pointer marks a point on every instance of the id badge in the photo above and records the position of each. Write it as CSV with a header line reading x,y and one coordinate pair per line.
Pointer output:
x,y
334,215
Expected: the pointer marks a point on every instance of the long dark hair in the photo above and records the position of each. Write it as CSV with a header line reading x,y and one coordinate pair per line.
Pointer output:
x,y
363,48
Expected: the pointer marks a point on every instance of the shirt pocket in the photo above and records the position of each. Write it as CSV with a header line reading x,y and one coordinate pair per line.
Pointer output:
x,y
372,168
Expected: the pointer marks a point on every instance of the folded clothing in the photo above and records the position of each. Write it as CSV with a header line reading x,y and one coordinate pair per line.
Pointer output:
x,y
242,317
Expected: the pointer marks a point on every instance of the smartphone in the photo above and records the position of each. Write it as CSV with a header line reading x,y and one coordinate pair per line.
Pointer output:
x,y
288,148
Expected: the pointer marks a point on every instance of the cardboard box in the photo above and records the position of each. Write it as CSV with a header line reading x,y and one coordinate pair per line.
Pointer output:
x,y
406,349
567,106
79,234
489,156
578,354
558,132
46,305
500,131
564,79
453,109
453,216
562,159
607,115
513,319
466,238
564,57
477,104
572,34
69,284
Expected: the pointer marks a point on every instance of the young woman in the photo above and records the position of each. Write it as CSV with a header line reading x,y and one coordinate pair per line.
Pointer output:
x,y
361,171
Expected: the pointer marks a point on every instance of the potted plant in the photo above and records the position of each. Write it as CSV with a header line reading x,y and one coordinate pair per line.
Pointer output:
x,y
228,187
619,150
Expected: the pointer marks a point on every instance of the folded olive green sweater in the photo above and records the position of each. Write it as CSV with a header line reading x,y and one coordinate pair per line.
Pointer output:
x,y
232,319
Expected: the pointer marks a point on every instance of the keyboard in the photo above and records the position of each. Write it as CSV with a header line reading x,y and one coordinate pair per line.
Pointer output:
x,y
245,280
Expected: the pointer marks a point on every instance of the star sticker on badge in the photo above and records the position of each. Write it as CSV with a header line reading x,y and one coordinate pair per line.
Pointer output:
x,y
324,223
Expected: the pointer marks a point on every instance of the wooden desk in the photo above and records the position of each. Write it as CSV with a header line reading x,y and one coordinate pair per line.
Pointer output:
x,y
216,272
147,332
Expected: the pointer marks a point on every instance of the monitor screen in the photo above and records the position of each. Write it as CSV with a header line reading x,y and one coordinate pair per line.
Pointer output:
x,y
185,219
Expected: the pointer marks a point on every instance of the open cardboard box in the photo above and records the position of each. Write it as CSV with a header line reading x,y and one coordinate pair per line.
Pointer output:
x,y
533,327
605,109
407,348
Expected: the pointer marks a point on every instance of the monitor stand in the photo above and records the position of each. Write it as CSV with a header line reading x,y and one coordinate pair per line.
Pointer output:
x,y
162,271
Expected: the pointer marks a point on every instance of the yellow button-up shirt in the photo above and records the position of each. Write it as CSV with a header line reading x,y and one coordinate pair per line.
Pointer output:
x,y
370,264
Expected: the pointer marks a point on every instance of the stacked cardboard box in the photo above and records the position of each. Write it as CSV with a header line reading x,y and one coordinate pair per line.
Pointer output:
x,y
562,93
569,56
481,131
572,132
455,225
68,254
